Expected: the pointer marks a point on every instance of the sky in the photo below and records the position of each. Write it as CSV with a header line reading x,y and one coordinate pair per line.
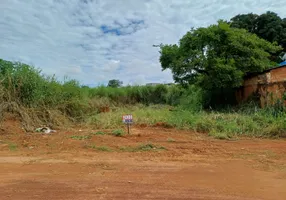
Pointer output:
x,y
94,41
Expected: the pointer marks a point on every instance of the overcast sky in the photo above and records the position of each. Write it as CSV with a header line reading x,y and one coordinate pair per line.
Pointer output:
x,y
97,40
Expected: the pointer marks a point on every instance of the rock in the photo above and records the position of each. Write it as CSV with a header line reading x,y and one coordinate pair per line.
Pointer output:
x,y
45,130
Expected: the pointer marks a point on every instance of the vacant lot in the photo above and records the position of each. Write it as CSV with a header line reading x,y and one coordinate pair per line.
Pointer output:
x,y
150,163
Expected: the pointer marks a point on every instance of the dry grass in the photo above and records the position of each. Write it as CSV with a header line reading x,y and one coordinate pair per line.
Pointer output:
x,y
23,114
33,118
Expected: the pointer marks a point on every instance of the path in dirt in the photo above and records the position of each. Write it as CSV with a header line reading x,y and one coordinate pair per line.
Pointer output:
x,y
192,167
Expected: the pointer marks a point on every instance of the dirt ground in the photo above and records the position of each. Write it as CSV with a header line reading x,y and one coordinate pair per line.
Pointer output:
x,y
180,165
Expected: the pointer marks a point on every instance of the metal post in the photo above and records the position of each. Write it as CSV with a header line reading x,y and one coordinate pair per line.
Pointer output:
x,y
128,128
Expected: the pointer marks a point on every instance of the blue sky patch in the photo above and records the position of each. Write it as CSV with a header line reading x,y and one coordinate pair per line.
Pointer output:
x,y
105,29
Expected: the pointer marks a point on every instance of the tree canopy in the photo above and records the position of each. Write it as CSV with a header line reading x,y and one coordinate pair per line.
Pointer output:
x,y
268,26
114,83
217,56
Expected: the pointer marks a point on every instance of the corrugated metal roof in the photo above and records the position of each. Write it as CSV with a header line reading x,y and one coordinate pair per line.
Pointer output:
x,y
283,63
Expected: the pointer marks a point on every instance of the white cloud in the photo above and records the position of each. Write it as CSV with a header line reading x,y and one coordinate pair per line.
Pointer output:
x,y
94,41
111,66
74,70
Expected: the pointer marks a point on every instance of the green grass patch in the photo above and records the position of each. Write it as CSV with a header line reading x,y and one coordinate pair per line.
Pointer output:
x,y
143,147
148,115
149,147
99,133
100,148
80,137
13,147
118,132
221,125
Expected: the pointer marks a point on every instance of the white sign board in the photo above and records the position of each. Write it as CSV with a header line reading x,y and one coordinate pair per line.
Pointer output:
x,y
127,119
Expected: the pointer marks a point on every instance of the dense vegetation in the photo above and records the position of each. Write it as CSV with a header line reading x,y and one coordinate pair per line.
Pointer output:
x,y
206,61
217,56
216,59
268,26
39,99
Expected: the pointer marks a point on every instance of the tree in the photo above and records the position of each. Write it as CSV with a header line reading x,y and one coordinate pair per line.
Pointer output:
x,y
114,83
217,56
268,26
245,21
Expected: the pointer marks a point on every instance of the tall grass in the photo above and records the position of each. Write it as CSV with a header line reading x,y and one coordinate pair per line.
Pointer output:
x,y
27,87
160,94
147,115
223,125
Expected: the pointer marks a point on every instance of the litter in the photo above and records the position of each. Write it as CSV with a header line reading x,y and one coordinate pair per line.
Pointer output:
x,y
46,130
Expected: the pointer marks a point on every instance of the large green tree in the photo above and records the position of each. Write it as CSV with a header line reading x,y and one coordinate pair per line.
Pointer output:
x,y
268,26
217,56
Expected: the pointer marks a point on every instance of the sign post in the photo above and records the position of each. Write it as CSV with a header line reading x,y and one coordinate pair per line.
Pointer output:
x,y
128,120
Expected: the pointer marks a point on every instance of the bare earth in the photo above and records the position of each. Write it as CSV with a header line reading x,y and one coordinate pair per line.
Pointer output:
x,y
193,166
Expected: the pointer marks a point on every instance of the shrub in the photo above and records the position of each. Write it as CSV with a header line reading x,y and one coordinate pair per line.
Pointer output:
x,y
118,133
80,137
100,148
99,133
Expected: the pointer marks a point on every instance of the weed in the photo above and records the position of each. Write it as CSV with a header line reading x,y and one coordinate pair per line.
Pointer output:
x,y
100,148
13,147
99,133
80,137
219,135
118,133
143,147
149,146
127,149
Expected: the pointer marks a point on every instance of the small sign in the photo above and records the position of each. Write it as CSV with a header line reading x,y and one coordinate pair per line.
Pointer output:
x,y
127,119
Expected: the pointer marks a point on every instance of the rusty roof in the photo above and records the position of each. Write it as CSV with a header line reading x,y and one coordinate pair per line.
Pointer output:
x,y
264,71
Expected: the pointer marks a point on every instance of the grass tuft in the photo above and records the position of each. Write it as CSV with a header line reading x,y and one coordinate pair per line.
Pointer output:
x,y
80,137
100,148
13,147
143,147
118,133
99,133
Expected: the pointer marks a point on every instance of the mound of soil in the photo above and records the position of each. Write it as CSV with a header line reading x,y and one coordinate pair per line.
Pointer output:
x,y
11,124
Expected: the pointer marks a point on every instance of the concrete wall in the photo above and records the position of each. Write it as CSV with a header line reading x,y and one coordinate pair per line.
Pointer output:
x,y
269,86
278,75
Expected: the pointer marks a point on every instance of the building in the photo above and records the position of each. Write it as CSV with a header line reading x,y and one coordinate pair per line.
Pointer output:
x,y
269,86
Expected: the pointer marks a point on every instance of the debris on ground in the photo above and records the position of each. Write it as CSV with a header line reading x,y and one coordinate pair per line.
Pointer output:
x,y
46,130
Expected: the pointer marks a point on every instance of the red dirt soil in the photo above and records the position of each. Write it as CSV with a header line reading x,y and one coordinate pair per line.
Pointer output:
x,y
192,166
